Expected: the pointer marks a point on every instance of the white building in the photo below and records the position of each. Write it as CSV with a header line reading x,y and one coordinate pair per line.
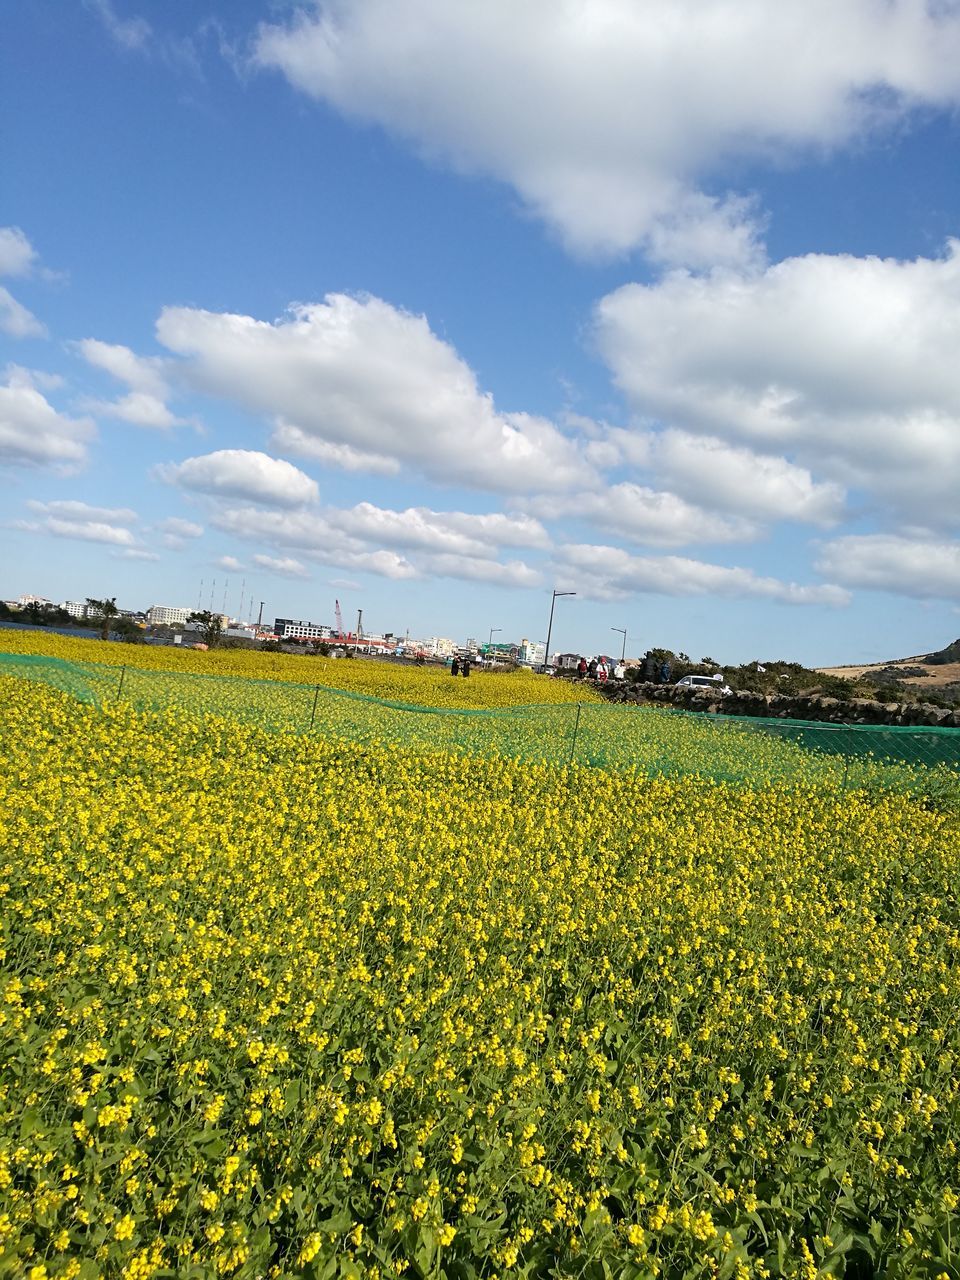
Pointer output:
x,y
291,629
533,653
42,601
162,615
439,647
76,608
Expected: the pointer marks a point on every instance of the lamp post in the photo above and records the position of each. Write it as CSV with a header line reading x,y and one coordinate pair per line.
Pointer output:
x,y
492,630
546,656
623,632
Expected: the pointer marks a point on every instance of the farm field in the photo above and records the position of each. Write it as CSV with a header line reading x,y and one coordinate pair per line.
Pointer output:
x,y
285,1004
401,682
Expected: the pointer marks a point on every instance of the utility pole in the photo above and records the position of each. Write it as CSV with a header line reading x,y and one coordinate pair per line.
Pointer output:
x,y
546,656
260,616
623,632
356,638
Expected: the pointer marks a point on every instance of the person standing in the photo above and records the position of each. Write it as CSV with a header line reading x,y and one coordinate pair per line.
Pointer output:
x,y
466,667
455,668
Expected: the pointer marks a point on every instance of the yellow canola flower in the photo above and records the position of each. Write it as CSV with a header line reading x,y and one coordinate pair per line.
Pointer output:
x,y
269,998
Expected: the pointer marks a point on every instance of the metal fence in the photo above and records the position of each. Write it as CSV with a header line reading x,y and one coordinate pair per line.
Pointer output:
x,y
656,741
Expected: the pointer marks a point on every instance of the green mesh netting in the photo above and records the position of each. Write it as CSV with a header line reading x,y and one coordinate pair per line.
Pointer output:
x,y
656,741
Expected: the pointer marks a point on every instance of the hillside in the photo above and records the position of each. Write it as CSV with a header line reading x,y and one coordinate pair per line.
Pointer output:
x,y
925,671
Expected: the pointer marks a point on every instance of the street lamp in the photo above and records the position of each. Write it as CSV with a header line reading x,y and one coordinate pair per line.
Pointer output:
x,y
623,632
546,656
492,630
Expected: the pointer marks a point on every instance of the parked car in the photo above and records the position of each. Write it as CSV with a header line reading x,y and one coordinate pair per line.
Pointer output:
x,y
714,683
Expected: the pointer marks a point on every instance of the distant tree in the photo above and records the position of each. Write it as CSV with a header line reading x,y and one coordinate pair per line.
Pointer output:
x,y
103,611
128,631
35,614
209,625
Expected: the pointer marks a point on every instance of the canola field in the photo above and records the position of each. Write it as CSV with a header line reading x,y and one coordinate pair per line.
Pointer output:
x,y
429,686
287,1004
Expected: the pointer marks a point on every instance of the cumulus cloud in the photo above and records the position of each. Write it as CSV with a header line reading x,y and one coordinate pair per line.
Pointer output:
x,y
741,480
844,367
649,516
368,379
285,566
510,573
17,255
82,522
68,509
243,473
17,258
922,568
289,439
610,119
230,563
80,530
144,405
33,433
175,532
440,544
612,573
15,320
452,532
181,528
136,553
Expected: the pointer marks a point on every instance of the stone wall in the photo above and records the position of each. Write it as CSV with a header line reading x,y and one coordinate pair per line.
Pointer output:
x,y
783,706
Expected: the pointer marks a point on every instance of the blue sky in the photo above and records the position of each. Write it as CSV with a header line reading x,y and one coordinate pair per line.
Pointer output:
x,y
433,307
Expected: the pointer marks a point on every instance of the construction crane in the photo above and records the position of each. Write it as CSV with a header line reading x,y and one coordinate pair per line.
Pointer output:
x,y
339,616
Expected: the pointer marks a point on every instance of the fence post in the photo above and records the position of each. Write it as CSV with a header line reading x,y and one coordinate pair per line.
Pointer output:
x,y
313,713
576,728
123,672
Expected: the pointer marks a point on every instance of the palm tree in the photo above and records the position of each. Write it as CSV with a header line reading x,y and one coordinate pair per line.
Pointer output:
x,y
104,610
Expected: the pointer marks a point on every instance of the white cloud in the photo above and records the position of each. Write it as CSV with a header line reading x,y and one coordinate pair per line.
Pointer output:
x,y
137,553
129,33
886,562
68,509
288,439
612,573
847,364
230,563
33,433
79,521
442,544
454,532
144,405
17,255
81,530
178,528
15,320
740,480
17,258
609,118
176,532
38,378
286,566
243,473
639,514
512,573
362,374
